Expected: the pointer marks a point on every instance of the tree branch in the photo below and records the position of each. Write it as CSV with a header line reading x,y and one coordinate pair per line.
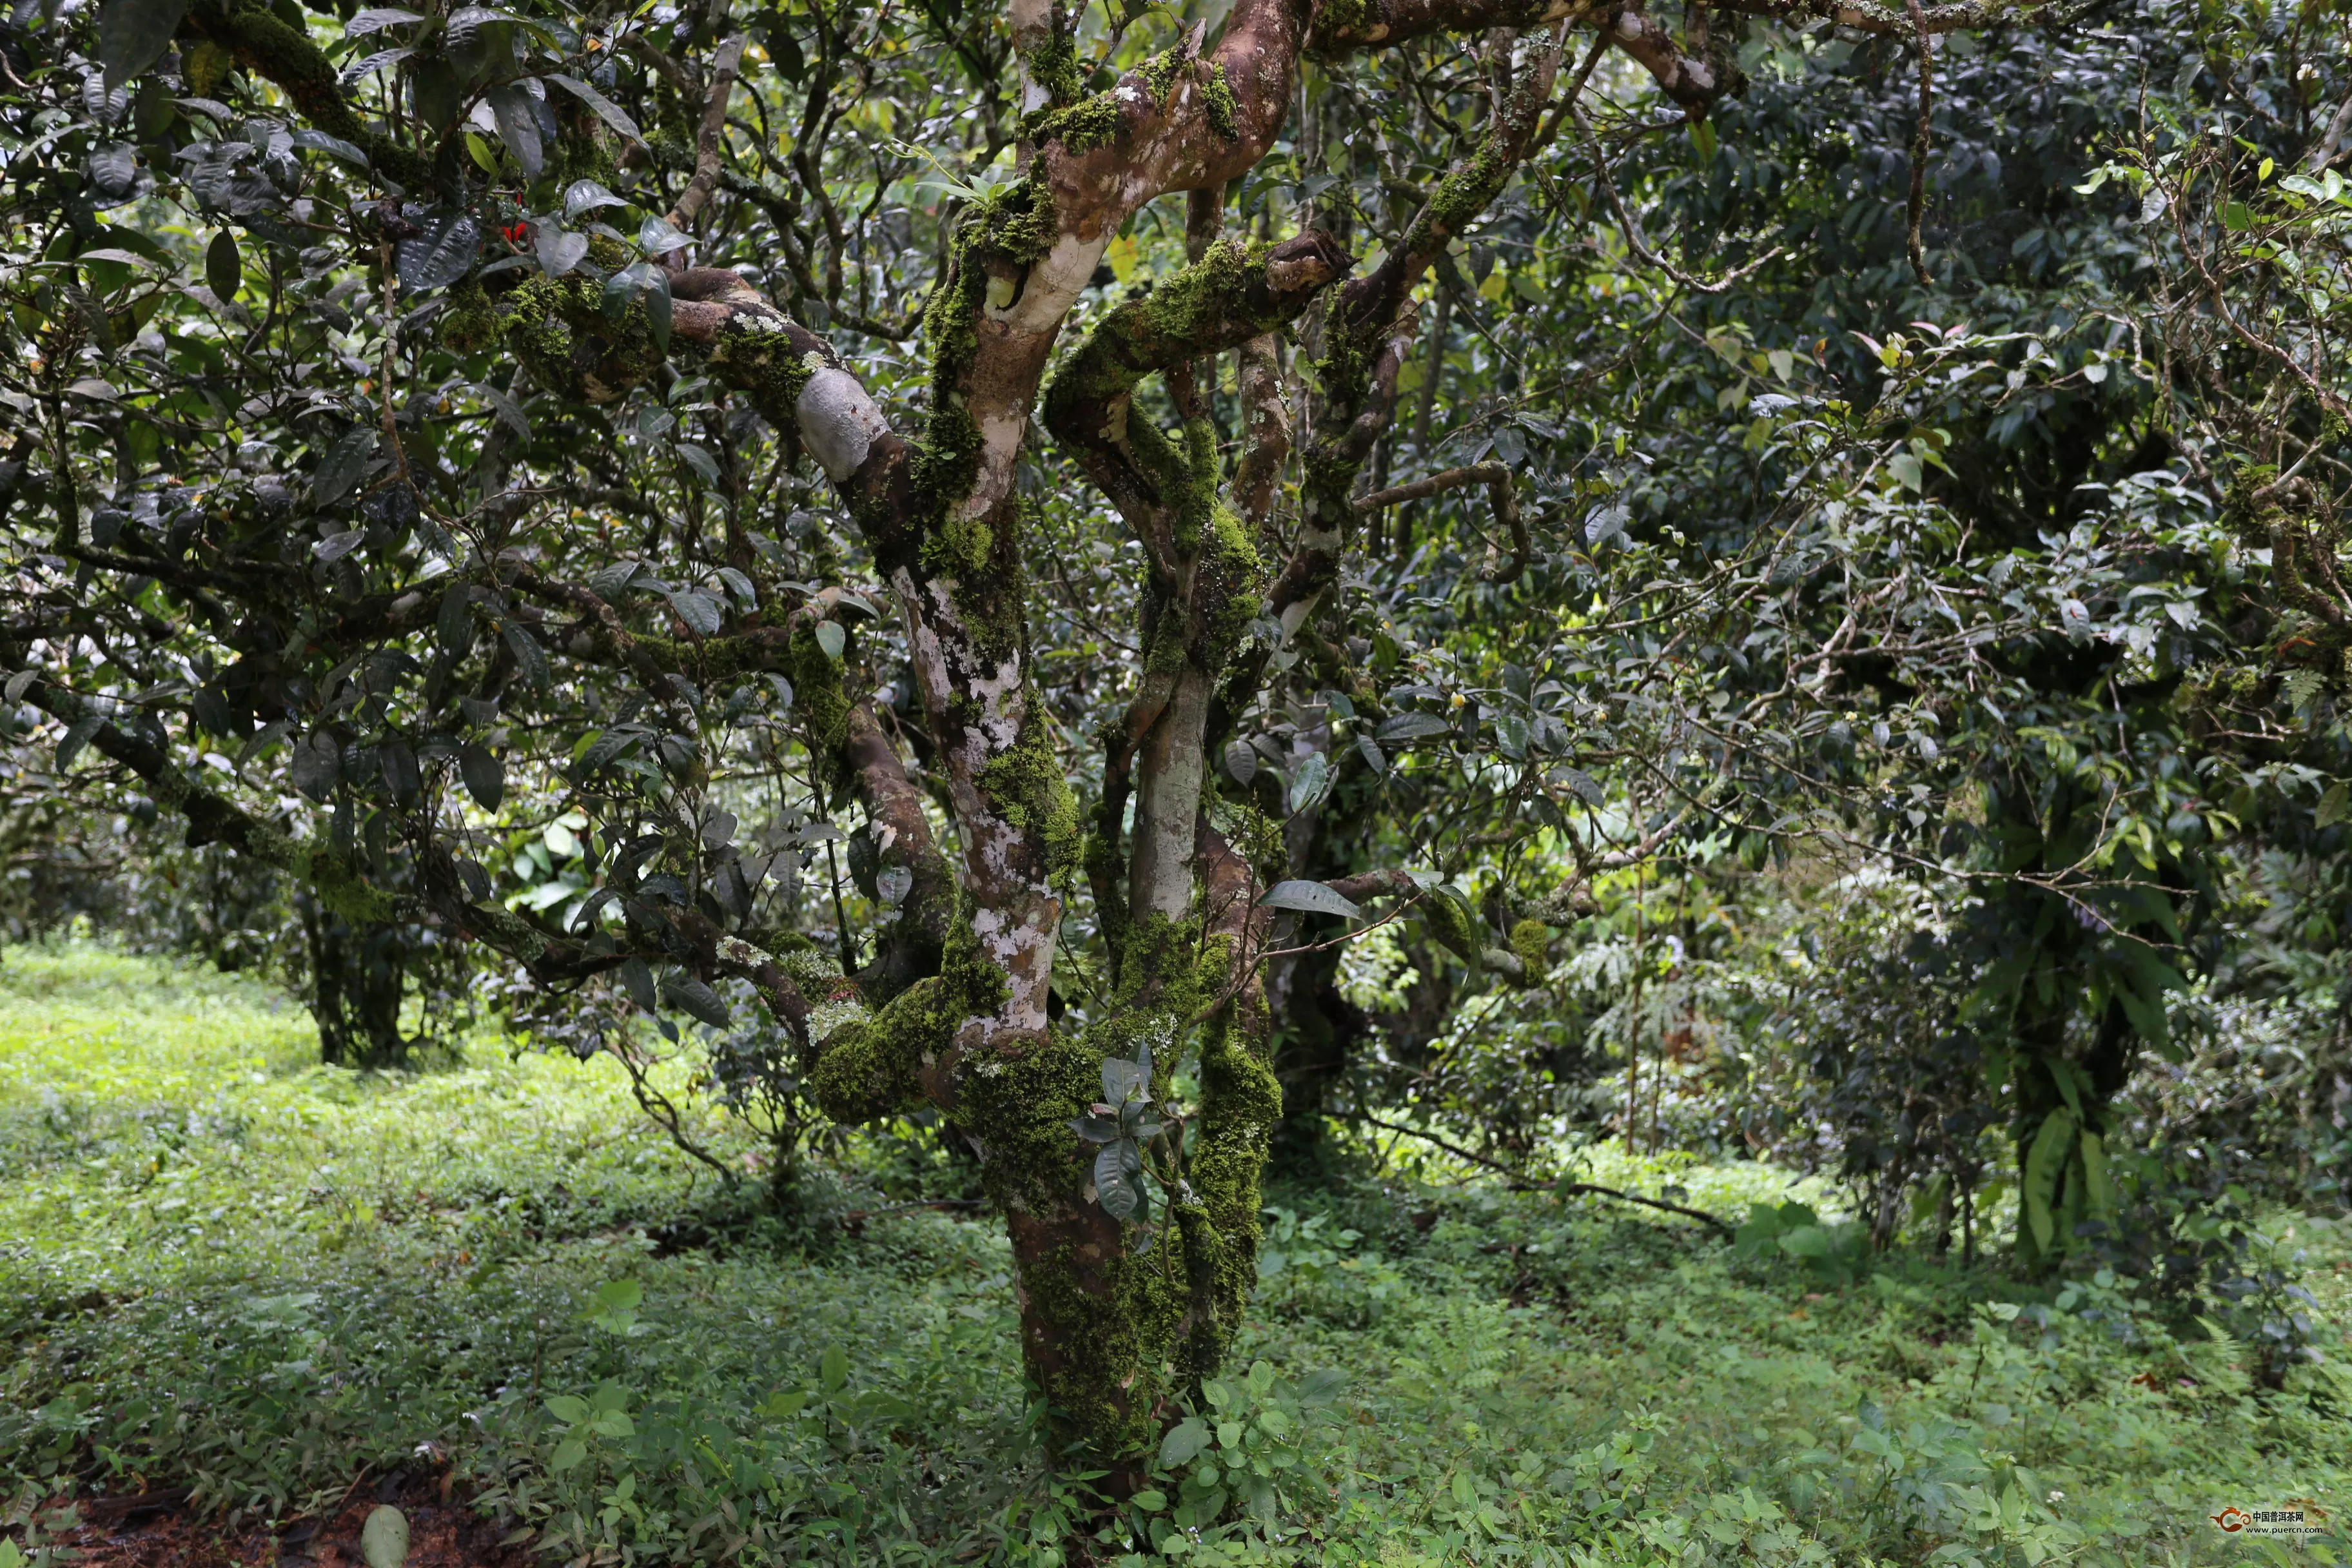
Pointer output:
x,y
710,141
1521,1182
1497,478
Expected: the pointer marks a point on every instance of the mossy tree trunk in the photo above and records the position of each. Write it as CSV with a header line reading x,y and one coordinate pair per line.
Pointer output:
x,y
357,977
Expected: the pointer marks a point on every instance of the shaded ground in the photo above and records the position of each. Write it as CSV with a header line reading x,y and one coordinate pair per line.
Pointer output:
x,y
157,1529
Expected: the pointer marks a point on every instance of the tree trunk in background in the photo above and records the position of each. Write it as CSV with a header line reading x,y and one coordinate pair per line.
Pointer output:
x,y
1318,1029
357,978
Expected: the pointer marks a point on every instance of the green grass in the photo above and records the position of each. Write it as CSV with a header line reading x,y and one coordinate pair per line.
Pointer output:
x,y
224,1265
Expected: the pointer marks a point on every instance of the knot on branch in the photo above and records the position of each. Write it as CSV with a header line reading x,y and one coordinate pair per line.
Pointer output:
x,y
1307,263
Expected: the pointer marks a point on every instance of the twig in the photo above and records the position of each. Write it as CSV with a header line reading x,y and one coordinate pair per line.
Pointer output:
x,y
1633,231
710,144
1919,146
1497,478
1520,1181
663,1112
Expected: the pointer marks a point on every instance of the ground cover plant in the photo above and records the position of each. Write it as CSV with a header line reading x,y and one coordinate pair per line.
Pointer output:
x,y
235,1269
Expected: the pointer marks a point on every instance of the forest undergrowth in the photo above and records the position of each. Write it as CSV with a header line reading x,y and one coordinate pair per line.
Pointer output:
x,y
226,1267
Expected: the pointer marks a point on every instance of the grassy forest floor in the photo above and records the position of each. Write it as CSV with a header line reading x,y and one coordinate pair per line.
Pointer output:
x,y
284,1287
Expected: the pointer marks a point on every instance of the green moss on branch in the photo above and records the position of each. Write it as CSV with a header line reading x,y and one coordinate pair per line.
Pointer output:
x,y
1026,785
874,1068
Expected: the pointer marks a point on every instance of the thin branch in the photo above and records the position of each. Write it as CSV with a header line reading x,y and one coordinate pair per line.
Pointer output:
x,y
1919,135
1633,231
710,144
1497,478
1521,1182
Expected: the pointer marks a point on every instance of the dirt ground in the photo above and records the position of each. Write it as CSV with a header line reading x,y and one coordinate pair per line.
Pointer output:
x,y
157,1529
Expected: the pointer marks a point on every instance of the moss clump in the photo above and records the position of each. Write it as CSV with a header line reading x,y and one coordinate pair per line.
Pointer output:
x,y
1197,501
557,327
762,364
960,547
1106,869
1225,109
1055,66
1531,941
872,1068
1241,1105
1157,75
1342,18
1026,785
1168,977
978,983
338,887
1021,1104
580,150
1464,193
469,324
1228,584
1344,367
1119,1319
1096,1318
1082,126
821,702
1002,238
1451,922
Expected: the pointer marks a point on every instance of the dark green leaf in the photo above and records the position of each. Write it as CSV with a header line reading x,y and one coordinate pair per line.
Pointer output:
x,y
376,18
77,736
317,766
485,775
1095,1128
440,255
1183,1442
134,33
454,627
528,654
605,109
1117,1195
401,774
559,250
606,747
333,146
344,461
1409,727
693,996
1309,785
335,546
700,612
586,195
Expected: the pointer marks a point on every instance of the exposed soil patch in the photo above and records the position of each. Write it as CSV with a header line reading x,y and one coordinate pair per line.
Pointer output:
x,y
157,1529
